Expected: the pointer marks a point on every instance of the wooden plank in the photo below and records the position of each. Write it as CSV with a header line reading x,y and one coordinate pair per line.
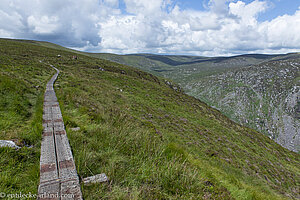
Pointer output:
x,y
58,175
71,190
50,191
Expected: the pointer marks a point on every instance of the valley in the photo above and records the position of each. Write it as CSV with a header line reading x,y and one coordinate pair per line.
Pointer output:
x,y
258,91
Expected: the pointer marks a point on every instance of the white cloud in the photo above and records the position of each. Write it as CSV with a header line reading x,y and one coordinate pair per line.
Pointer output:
x,y
70,23
144,7
283,31
43,25
158,26
219,6
5,34
113,3
10,21
248,12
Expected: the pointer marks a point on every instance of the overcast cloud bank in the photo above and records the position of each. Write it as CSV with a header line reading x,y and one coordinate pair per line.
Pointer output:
x,y
227,27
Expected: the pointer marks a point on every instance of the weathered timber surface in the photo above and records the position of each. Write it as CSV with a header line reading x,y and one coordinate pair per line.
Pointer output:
x,y
58,175
99,178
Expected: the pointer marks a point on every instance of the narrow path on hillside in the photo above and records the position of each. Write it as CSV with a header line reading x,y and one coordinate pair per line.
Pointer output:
x,y
58,175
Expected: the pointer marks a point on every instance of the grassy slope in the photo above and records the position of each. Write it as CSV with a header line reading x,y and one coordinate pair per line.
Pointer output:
x,y
22,83
214,80
151,141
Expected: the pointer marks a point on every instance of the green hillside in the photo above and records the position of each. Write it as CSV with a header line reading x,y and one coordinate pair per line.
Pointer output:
x,y
150,139
259,91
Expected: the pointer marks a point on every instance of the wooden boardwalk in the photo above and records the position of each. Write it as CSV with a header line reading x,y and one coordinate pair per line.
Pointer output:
x,y
58,175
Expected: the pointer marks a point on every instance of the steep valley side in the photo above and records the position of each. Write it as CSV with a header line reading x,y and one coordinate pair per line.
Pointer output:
x,y
264,97
258,91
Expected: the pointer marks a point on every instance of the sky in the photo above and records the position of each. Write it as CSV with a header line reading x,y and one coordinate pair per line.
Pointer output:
x,y
185,27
